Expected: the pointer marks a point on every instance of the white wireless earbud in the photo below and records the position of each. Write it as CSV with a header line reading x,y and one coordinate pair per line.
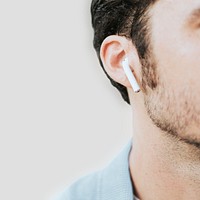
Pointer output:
x,y
130,75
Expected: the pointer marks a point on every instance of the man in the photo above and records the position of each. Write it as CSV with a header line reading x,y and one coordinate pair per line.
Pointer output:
x,y
161,41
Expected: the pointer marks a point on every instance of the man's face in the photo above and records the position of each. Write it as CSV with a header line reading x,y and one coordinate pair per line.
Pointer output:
x,y
174,105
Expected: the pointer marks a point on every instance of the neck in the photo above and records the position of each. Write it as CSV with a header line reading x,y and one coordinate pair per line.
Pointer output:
x,y
162,166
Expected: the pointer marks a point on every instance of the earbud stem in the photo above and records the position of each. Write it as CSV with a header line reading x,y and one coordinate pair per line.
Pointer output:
x,y
130,75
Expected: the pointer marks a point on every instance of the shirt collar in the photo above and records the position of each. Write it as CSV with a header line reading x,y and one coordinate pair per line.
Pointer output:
x,y
115,182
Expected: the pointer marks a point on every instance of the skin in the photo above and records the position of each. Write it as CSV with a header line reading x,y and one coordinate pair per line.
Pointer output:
x,y
165,156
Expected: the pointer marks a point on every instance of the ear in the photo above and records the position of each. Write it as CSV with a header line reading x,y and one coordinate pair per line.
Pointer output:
x,y
113,51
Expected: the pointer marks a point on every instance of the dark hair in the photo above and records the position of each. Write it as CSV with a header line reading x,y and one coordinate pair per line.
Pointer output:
x,y
122,17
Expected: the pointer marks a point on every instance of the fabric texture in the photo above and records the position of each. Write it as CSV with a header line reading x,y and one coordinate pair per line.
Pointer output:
x,y
111,183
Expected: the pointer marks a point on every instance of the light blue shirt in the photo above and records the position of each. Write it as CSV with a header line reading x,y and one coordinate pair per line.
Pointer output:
x,y
111,183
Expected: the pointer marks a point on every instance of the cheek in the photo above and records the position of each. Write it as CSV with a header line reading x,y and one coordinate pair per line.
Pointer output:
x,y
175,49
178,61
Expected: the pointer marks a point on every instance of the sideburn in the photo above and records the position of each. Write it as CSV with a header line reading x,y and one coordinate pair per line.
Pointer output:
x,y
150,78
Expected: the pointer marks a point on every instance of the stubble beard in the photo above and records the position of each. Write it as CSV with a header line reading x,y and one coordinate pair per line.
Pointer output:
x,y
177,113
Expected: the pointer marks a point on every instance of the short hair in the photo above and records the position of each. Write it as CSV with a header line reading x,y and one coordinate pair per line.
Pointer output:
x,y
125,18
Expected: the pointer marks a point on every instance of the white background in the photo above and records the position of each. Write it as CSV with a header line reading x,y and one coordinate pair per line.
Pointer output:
x,y
60,118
